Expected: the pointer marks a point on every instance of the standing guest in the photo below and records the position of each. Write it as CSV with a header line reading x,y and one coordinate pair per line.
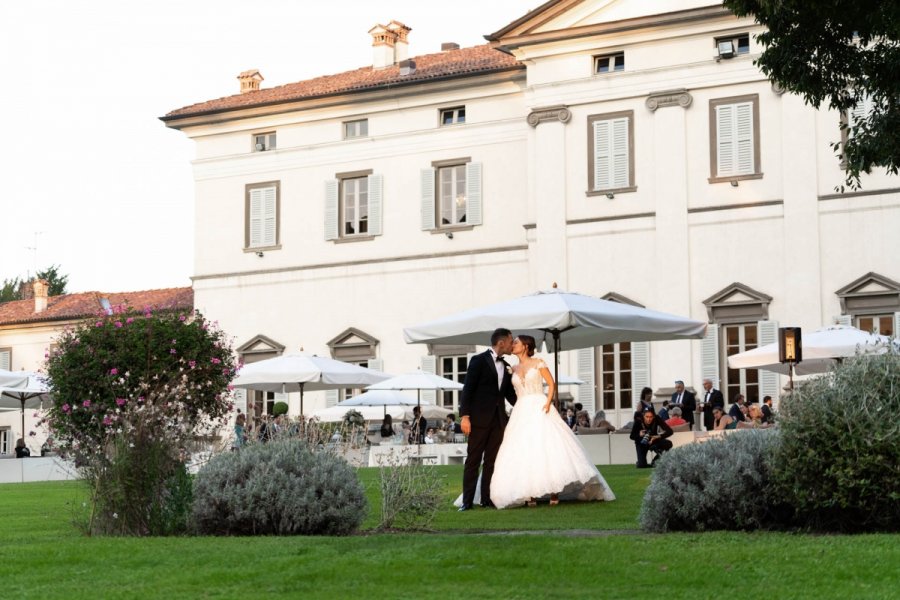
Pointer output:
x,y
387,427
600,422
649,433
407,432
685,400
451,426
664,411
711,398
675,419
240,438
768,416
736,412
419,425
646,403
570,418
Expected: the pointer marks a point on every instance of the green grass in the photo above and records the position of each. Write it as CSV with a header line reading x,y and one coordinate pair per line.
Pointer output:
x,y
43,556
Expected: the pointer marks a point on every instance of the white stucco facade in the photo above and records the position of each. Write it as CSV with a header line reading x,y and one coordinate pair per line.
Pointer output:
x,y
675,239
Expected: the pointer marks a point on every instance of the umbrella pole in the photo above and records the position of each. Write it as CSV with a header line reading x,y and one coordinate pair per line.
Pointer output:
x,y
556,368
301,399
23,417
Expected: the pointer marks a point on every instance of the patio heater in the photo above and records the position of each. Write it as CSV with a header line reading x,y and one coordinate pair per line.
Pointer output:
x,y
790,349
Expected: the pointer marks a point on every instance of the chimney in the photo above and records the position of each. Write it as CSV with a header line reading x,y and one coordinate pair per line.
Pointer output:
x,y
383,42
40,295
250,80
449,46
401,45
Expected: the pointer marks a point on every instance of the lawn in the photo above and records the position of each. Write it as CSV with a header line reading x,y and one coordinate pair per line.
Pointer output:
x,y
587,550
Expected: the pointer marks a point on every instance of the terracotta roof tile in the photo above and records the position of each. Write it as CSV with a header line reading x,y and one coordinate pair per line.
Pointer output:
x,y
88,304
451,63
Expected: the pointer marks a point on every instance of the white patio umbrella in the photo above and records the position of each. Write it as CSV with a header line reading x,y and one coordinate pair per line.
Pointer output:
x,y
822,349
570,320
30,393
13,378
383,398
417,381
377,413
299,372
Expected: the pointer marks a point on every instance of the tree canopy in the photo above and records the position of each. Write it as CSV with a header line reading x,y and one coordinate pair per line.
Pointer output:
x,y
845,53
10,288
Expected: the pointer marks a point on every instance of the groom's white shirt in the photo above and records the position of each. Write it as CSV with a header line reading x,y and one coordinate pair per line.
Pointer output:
x,y
499,367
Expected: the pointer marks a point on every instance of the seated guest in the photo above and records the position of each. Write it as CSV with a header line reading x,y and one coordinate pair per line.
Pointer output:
x,y
721,421
582,419
675,419
600,422
754,419
407,432
387,427
22,450
649,434
768,415
736,412
429,436
664,411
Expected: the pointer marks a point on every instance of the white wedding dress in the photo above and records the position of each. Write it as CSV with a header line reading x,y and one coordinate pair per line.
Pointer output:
x,y
540,455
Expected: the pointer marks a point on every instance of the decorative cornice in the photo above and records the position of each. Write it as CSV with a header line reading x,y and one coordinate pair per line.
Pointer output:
x,y
549,113
679,97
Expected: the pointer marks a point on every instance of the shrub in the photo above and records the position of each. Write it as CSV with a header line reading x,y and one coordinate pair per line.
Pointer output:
x,y
280,408
278,488
129,392
723,483
839,460
410,492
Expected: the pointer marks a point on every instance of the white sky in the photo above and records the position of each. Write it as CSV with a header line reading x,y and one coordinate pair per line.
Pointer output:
x,y
86,164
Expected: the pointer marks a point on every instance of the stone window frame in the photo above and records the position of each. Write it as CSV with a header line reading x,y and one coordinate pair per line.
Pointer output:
x,y
611,56
361,122
860,303
713,140
248,188
270,141
632,187
438,165
359,352
341,178
455,117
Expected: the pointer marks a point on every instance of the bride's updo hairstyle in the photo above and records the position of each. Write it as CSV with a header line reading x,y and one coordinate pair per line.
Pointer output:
x,y
529,344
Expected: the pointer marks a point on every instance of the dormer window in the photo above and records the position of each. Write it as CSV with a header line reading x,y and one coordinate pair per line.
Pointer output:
x,y
264,141
609,63
732,45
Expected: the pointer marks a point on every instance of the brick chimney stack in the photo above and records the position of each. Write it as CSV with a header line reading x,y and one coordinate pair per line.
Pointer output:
x,y
390,44
401,46
41,287
250,80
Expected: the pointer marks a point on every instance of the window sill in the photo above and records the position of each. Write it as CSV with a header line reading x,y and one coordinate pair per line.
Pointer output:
x,y
263,248
353,238
452,228
728,179
624,190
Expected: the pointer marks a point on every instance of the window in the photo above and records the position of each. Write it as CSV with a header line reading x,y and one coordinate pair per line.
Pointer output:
x,y
454,368
737,338
734,138
609,63
880,324
451,194
263,141
6,446
453,116
355,206
614,375
611,153
733,45
262,213
6,359
852,119
356,129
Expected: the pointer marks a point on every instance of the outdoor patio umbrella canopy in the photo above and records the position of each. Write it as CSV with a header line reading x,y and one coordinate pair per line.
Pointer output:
x,y
299,372
30,393
569,320
822,349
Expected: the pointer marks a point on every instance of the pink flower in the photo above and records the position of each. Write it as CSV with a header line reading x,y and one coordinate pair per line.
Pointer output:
x,y
216,361
173,351
118,323
66,408
107,421
86,404
98,324
129,320
182,318
120,401
192,363
114,371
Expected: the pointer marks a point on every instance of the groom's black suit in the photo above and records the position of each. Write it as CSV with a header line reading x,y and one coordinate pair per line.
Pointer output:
x,y
482,400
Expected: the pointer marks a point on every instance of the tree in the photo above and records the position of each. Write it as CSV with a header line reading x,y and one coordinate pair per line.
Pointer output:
x,y
10,290
56,280
845,52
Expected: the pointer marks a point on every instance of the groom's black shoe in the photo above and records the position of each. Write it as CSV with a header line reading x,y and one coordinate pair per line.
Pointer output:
x,y
464,507
488,504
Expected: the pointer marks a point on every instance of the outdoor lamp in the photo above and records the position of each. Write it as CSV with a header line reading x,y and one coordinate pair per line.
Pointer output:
x,y
790,345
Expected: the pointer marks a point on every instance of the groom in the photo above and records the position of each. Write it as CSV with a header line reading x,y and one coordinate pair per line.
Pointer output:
x,y
483,411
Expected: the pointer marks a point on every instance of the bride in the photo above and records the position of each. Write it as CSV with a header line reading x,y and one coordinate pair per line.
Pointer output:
x,y
540,456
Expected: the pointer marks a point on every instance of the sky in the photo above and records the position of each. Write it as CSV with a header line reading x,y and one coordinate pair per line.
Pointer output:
x,y
92,180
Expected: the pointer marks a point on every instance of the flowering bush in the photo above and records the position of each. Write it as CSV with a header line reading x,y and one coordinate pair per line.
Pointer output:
x,y
130,391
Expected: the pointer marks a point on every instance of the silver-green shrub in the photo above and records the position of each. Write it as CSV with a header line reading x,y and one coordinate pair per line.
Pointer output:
x,y
410,492
839,461
723,483
278,488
